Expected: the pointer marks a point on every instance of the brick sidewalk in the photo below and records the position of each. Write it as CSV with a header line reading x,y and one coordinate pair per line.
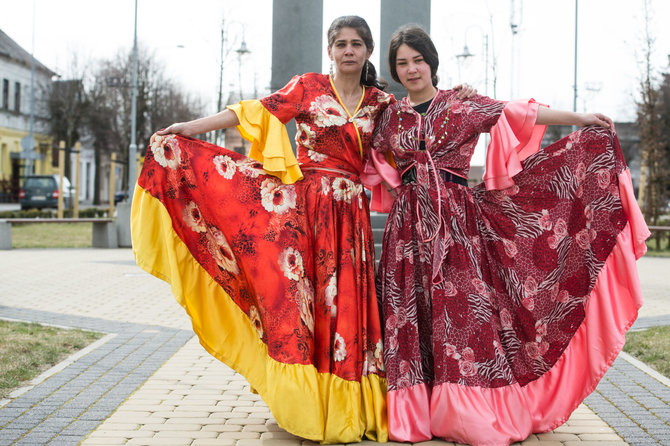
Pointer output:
x,y
150,382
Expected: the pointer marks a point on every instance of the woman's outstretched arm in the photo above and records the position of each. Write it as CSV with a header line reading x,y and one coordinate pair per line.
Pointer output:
x,y
223,120
547,116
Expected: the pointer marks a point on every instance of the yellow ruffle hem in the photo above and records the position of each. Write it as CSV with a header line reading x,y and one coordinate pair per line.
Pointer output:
x,y
269,139
317,406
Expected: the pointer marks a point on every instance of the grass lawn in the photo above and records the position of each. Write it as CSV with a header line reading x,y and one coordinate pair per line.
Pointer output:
x,y
653,252
27,349
651,346
52,235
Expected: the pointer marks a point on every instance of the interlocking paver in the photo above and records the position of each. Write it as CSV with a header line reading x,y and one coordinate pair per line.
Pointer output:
x,y
152,383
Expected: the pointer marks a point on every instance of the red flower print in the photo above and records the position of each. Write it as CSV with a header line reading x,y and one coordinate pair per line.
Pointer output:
x,y
604,179
225,166
583,238
530,286
528,303
221,252
327,112
533,350
290,262
468,354
467,368
256,320
193,218
510,248
545,221
450,350
340,348
276,197
166,151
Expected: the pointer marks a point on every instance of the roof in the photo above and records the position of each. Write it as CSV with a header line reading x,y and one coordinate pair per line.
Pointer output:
x,y
14,52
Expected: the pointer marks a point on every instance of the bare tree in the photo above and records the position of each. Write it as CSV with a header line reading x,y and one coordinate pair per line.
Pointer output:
x,y
653,143
67,108
159,103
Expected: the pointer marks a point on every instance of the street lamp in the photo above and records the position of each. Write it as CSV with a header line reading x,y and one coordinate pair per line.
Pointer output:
x,y
467,54
132,149
240,52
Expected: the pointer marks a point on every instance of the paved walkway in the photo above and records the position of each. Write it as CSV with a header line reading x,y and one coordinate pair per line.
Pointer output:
x,y
149,382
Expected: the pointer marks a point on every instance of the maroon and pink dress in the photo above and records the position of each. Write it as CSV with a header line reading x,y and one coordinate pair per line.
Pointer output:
x,y
505,303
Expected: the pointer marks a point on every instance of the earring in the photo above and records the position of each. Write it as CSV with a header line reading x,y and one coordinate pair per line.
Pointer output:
x,y
332,74
367,64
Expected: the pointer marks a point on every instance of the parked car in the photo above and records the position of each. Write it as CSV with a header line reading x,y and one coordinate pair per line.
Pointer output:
x,y
120,196
41,191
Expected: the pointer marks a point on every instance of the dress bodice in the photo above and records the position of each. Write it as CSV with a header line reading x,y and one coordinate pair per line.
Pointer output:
x,y
328,135
450,130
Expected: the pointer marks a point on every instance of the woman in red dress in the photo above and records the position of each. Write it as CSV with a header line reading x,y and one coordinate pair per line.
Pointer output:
x,y
505,303
277,274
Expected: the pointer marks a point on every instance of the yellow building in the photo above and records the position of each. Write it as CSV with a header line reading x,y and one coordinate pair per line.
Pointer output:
x,y
16,110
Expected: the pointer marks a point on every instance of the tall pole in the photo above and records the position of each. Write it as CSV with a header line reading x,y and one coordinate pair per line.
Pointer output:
x,y
574,95
132,150
31,143
217,132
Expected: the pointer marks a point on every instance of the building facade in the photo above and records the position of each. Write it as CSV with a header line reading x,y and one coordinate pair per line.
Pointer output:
x,y
15,117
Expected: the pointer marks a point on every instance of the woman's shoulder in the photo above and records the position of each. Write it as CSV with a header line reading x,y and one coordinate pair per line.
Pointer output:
x,y
314,78
378,98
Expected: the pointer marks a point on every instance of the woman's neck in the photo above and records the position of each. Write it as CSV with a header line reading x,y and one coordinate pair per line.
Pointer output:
x,y
422,96
347,84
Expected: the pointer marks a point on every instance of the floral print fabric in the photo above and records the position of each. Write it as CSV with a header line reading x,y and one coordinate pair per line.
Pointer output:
x,y
296,258
486,288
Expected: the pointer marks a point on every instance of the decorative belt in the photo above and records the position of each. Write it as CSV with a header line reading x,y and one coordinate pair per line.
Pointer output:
x,y
409,176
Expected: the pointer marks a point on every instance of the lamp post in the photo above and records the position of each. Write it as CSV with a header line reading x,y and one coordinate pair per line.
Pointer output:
x,y
467,54
224,53
132,149
241,51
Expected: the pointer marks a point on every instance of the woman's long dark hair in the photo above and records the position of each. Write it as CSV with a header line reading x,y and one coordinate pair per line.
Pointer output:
x,y
418,39
363,30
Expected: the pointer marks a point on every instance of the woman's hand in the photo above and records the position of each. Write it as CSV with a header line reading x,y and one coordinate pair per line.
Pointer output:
x,y
596,119
178,127
465,91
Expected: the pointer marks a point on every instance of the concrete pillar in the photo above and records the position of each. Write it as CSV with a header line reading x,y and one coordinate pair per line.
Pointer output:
x,y
105,235
394,14
123,237
297,42
5,235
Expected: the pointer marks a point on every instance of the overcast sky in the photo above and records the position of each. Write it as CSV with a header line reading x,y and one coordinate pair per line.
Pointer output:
x,y
186,35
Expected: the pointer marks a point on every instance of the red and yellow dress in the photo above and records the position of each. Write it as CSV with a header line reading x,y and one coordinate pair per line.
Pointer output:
x,y
505,303
272,257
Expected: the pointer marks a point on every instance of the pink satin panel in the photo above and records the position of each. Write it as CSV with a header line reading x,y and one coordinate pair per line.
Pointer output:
x,y
499,416
372,177
514,138
409,414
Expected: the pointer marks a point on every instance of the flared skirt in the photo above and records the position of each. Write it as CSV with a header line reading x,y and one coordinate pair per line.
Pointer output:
x,y
278,280
503,309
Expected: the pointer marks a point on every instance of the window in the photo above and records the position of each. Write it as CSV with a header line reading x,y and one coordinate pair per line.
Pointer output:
x,y
17,97
5,94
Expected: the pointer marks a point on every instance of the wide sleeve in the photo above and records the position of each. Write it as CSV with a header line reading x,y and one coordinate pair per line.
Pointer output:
x,y
380,167
262,122
514,137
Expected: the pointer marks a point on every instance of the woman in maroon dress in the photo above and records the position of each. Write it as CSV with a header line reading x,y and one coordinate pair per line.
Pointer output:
x,y
505,303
